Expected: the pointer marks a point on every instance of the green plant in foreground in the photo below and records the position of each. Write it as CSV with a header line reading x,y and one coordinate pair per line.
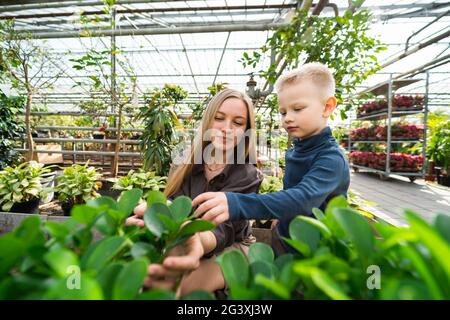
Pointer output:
x,y
146,181
77,184
338,255
21,183
50,260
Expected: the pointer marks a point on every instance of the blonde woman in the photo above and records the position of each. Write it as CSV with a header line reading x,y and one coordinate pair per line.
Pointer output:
x,y
222,158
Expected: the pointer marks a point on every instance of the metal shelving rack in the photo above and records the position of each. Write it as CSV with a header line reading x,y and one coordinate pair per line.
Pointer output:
x,y
388,89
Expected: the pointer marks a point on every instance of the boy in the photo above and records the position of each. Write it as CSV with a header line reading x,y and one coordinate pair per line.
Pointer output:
x,y
316,168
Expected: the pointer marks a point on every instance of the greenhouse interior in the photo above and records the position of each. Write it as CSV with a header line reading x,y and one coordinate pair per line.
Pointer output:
x,y
224,150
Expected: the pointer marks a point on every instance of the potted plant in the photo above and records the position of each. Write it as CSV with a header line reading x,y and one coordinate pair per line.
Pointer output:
x,y
100,134
21,187
439,151
145,180
262,229
76,185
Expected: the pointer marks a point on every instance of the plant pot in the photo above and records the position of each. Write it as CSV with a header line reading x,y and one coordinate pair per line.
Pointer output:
x,y
437,171
31,206
444,180
106,189
67,206
98,136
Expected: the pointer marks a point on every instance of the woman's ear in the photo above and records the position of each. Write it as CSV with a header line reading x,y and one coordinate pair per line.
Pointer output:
x,y
330,105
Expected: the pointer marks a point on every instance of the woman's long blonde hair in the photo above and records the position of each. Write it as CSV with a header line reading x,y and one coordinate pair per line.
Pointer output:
x,y
177,176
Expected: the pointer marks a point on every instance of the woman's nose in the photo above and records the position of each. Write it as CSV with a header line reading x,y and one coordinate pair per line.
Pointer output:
x,y
227,127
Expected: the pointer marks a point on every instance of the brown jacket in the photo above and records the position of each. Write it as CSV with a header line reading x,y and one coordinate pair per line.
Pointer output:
x,y
242,178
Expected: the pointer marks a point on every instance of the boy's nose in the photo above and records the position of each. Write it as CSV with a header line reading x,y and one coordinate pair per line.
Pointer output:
x,y
287,118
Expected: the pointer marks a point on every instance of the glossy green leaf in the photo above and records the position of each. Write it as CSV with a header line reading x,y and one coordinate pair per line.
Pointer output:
x,y
442,225
263,267
155,197
300,246
195,226
104,203
152,221
84,214
273,286
57,230
12,251
102,252
130,280
234,267
260,252
326,233
76,287
129,200
318,214
438,246
331,288
61,261
181,208
304,232
106,224
107,277
358,230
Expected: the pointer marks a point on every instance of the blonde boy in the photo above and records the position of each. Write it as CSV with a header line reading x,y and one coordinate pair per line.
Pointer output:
x,y
316,167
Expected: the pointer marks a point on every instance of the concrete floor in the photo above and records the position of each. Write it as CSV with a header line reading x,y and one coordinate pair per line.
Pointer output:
x,y
392,195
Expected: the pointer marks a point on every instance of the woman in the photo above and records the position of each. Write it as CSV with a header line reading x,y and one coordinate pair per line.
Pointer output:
x,y
222,159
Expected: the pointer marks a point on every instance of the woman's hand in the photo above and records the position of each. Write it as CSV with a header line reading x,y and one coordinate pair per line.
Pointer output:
x,y
182,259
137,218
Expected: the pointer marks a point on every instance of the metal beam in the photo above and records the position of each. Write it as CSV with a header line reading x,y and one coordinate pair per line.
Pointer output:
x,y
165,16
20,5
149,10
424,9
417,48
146,26
176,30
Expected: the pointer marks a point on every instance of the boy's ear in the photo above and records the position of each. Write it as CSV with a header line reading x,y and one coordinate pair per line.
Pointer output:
x,y
330,105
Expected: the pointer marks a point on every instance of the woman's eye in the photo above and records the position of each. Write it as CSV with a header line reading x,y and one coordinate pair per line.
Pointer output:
x,y
239,123
218,119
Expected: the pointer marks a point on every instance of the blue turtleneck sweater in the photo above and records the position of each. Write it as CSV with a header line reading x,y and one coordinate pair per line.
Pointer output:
x,y
316,171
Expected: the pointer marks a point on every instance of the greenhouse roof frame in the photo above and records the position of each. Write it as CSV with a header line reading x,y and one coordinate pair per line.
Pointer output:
x,y
164,37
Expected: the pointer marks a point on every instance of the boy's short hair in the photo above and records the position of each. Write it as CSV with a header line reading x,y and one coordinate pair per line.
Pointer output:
x,y
316,72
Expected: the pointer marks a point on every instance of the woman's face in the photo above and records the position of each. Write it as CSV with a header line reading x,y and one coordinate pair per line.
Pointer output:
x,y
230,123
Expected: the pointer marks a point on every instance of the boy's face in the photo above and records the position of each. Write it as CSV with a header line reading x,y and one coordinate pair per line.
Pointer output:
x,y
304,111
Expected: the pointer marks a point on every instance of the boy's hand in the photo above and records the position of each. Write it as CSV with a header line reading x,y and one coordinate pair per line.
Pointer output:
x,y
213,206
